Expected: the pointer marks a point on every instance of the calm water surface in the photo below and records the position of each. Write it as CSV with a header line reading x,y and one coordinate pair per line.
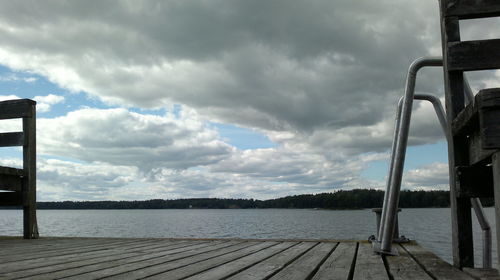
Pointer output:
x,y
430,227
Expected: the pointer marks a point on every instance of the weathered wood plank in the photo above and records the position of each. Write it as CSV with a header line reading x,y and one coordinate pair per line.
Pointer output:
x,y
269,267
11,171
186,259
11,198
123,258
488,101
10,183
474,181
11,139
339,263
228,269
467,9
99,270
18,108
403,267
60,251
195,268
67,261
438,268
307,265
474,55
368,264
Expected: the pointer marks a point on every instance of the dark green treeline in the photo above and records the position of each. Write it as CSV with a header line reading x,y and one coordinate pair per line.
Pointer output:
x,y
352,199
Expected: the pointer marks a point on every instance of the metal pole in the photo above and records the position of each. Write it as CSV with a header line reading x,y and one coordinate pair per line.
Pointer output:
x,y
389,211
391,167
485,226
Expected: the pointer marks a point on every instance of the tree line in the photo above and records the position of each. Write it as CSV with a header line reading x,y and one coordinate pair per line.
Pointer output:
x,y
342,199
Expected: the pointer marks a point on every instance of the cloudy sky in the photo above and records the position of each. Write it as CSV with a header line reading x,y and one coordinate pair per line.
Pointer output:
x,y
222,98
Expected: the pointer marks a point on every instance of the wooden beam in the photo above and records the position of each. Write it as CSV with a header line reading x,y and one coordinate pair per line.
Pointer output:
x,y
18,108
10,183
474,181
488,102
474,55
468,9
10,139
11,198
29,181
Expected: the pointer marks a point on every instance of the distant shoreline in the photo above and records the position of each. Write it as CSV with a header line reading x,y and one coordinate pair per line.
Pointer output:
x,y
356,199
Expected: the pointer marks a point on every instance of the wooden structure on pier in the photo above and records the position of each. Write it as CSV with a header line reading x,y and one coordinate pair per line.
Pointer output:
x,y
475,127
121,258
20,184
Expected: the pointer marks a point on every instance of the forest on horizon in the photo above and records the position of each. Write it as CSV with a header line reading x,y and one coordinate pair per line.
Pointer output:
x,y
342,199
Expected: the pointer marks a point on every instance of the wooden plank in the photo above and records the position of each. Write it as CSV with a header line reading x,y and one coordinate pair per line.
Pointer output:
x,y
59,252
403,267
474,181
44,264
11,198
269,267
368,264
306,265
474,55
436,267
103,269
468,9
18,108
489,118
339,263
231,268
183,260
11,171
10,183
11,139
125,260
198,267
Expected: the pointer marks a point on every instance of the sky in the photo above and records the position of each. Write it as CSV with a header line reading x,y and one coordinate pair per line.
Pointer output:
x,y
223,98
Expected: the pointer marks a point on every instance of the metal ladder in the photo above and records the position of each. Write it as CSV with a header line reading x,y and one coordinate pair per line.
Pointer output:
x,y
385,234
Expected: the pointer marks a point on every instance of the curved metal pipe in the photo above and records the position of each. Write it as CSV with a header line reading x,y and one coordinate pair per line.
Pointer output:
x,y
389,210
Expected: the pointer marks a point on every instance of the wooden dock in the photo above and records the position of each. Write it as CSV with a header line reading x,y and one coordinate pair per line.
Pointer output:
x,y
141,258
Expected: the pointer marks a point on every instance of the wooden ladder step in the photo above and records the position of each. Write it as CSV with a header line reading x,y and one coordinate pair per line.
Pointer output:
x,y
474,55
11,198
469,9
18,108
11,178
10,139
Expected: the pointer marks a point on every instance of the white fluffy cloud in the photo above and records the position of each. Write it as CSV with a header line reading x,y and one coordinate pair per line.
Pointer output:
x,y
121,137
44,103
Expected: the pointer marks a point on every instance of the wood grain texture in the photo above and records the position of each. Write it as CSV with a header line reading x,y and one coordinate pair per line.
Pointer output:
x,y
468,9
274,264
18,108
307,265
474,55
403,267
339,263
369,266
438,268
11,139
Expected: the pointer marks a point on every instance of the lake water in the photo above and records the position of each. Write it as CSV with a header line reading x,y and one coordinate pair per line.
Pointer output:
x,y
430,227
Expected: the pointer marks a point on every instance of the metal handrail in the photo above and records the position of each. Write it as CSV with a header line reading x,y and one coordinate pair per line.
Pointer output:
x,y
403,115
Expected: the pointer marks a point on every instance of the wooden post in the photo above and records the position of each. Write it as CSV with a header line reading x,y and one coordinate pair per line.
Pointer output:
x,y
463,251
29,180
496,187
